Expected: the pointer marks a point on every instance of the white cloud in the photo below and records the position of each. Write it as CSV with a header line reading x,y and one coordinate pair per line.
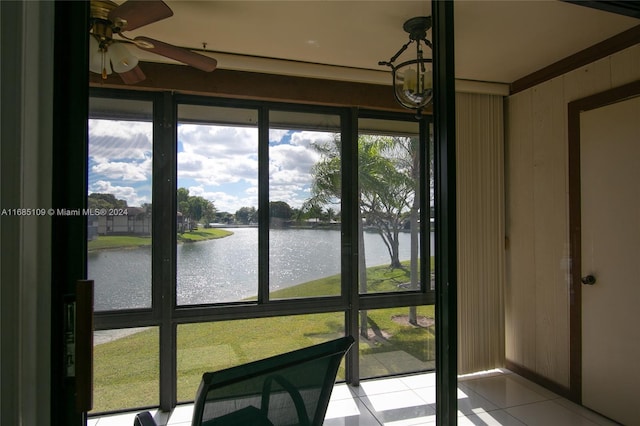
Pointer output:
x,y
217,171
120,170
276,135
290,175
224,201
215,156
219,142
219,163
307,138
111,140
127,193
191,164
289,194
292,157
218,155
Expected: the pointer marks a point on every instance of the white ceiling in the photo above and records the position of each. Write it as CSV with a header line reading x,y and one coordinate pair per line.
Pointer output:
x,y
496,41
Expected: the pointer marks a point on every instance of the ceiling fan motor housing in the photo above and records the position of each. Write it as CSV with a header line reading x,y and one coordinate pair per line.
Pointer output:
x,y
101,26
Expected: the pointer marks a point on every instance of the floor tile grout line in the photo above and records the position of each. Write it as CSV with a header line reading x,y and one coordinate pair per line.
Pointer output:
x,y
579,412
380,423
358,395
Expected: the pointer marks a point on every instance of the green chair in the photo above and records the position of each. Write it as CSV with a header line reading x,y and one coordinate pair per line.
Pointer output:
x,y
284,390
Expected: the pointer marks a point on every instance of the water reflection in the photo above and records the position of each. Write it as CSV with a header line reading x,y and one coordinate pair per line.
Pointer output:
x,y
226,269
222,270
122,278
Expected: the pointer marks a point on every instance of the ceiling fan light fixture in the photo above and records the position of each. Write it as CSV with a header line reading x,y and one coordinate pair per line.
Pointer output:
x,y
99,61
122,60
106,54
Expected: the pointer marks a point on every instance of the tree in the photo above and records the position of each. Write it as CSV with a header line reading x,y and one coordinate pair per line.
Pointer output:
x,y
146,209
200,208
98,200
387,184
298,215
331,214
194,208
313,211
388,177
280,209
410,161
246,215
223,217
183,207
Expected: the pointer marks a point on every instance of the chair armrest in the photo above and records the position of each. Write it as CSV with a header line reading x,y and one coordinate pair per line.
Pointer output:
x,y
144,419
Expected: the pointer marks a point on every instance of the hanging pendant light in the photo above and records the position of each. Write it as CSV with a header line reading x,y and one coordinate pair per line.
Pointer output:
x,y
413,78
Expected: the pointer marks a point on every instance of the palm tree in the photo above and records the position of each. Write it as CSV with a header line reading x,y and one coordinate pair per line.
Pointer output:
x,y
331,213
387,173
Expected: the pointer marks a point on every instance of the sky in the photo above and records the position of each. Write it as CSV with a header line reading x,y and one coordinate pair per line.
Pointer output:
x,y
219,163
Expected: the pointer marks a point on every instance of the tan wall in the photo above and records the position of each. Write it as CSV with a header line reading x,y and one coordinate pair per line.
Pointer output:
x,y
537,231
480,222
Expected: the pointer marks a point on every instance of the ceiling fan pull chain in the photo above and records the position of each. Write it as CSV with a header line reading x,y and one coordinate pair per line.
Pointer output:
x,y
104,67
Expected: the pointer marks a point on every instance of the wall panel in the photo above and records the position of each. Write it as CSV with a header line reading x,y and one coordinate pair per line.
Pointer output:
x,y
520,289
625,66
550,188
585,81
538,275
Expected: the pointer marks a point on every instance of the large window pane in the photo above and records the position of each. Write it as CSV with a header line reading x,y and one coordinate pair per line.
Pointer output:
x,y
217,253
119,202
396,344
218,238
125,369
304,205
213,346
389,172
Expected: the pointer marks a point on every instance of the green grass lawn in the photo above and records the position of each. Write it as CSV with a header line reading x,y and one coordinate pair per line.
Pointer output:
x,y
126,370
203,234
105,242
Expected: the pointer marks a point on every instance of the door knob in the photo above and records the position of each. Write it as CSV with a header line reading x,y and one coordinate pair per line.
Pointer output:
x,y
588,280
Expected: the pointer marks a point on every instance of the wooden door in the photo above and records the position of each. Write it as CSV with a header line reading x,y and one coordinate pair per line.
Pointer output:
x,y
610,253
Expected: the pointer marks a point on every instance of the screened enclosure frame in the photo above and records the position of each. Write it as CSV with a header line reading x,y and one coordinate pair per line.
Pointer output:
x,y
166,314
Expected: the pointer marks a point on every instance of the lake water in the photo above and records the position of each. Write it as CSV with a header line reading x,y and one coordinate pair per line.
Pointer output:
x,y
226,269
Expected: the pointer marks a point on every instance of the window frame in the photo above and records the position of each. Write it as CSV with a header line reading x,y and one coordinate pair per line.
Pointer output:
x,y
167,315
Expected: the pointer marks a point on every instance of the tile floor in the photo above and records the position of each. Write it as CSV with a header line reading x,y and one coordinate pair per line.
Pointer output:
x,y
498,397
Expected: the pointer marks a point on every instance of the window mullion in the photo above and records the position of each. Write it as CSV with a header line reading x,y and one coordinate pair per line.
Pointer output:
x,y
445,200
425,204
263,205
350,207
164,242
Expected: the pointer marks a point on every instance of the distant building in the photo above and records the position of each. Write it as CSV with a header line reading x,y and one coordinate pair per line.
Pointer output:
x,y
92,227
135,222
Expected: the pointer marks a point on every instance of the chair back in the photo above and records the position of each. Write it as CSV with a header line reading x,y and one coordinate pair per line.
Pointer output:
x,y
288,389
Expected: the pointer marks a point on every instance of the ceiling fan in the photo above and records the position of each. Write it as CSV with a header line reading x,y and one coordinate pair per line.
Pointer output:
x,y
107,55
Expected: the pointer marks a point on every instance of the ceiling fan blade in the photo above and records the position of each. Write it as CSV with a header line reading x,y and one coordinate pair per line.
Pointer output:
x,y
137,13
132,77
180,54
